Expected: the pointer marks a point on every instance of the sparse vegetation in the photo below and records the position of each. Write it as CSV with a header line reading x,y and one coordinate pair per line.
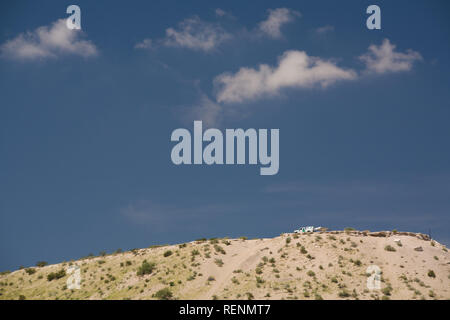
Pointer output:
x,y
146,268
389,248
164,294
56,275
219,262
41,264
167,253
282,270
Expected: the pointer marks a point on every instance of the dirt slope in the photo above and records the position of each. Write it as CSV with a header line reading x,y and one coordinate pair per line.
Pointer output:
x,y
326,265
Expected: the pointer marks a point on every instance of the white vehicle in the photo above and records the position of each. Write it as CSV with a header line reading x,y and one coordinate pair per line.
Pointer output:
x,y
305,229
308,229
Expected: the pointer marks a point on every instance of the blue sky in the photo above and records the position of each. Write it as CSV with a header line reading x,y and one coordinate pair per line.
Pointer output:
x,y
86,118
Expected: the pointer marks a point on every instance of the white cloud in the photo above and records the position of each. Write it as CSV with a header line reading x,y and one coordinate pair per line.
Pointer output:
x,y
276,19
324,29
295,70
48,42
195,34
220,12
206,110
383,58
144,44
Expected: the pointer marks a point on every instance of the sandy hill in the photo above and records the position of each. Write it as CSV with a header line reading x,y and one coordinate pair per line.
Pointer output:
x,y
324,265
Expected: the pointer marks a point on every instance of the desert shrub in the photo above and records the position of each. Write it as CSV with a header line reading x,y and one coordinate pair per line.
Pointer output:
x,y
258,270
219,262
41,264
318,297
344,293
167,253
249,296
311,273
22,297
56,275
272,260
348,229
195,252
288,240
431,274
243,238
389,248
358,262
234,280
146,268
237,271
387,290
211,278
334,280
219,249
102,253
30,271
259,280
181,246
164,294
303,250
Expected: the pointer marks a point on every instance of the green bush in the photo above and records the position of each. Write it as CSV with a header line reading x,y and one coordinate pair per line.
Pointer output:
x,y
344,294
219,262
56,275
30,271
219,249
389,248
146,268
164,294
167,253
387,290
431,274
41,264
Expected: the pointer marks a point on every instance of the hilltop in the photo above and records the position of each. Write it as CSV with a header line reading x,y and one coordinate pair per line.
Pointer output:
x,y
320,265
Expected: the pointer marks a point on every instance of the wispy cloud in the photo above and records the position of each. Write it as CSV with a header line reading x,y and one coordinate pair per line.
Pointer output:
x,y
144,44
48,42
191,33
384,59
324,29
295,70
275,20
